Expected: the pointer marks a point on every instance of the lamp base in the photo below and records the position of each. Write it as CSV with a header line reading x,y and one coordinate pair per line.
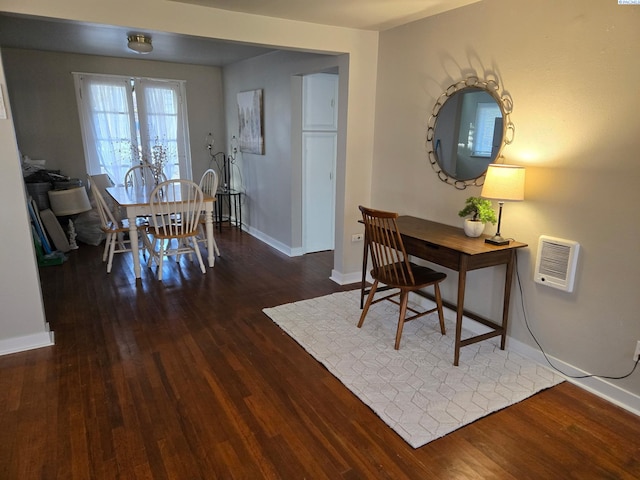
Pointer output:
x,y
496,240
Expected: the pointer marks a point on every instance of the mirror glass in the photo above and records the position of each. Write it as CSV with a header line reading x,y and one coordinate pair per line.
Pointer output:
x,y
467,131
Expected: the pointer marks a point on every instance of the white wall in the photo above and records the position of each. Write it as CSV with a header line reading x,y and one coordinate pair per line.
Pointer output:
x,y
22,322
570,67
46,111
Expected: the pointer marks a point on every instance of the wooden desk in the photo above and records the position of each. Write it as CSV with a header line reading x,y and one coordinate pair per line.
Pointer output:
x,y
449,247
136,202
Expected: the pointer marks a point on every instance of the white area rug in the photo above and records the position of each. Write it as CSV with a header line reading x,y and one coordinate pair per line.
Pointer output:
x,y
416,390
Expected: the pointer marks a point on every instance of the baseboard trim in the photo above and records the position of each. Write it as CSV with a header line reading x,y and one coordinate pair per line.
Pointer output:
x,y
272,242
345,279
27,342
598,386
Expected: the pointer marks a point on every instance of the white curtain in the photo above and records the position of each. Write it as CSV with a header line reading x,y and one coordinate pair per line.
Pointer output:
x,y
158,103
111,107
108,124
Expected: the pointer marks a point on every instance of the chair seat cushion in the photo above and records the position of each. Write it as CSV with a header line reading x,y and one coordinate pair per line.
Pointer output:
x,y
422,276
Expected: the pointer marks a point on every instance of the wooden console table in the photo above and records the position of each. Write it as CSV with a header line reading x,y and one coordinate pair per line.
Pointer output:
x,y
449,247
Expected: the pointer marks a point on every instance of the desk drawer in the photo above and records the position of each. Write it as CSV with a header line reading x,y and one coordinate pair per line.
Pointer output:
x,y
432,253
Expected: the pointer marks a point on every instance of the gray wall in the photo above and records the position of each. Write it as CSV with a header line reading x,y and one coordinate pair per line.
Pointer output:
x,y
272,182
569,66
43,98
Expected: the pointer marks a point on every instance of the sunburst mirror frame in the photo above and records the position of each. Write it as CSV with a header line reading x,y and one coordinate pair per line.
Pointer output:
x,y
508,129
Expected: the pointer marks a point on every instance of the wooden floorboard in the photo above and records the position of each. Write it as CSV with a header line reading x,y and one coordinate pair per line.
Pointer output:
x,y
188,379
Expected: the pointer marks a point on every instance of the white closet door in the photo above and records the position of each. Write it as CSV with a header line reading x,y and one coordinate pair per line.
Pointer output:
x,y
319,150
320,102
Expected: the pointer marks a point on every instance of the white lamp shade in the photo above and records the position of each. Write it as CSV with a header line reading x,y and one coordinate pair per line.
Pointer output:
x,y
504,182
69,202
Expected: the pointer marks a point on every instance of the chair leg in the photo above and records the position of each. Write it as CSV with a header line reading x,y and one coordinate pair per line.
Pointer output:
x,y
202,237
215,247
152,252
404,298
120,240
436,287
112,247
194,242
365,309
107,241
160,259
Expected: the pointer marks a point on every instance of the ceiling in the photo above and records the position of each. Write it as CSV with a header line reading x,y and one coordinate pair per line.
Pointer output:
x,y
361,14
17,31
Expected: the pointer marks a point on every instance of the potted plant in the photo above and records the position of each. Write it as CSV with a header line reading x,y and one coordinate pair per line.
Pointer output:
x,y
479,211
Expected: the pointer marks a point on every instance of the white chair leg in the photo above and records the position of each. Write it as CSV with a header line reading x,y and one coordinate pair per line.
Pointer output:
x,y
202,238
152,252
107,241
196,249
112,247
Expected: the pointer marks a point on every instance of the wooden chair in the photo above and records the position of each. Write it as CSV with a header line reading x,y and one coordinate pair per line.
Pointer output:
x,y
391,266
209,186
143,175
114,229
176,206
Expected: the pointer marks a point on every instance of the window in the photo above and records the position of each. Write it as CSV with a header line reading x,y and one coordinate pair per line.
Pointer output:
x,y
126,121
486,115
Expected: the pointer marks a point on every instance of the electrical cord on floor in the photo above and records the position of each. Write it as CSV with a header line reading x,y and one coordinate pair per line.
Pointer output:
x,y
526,322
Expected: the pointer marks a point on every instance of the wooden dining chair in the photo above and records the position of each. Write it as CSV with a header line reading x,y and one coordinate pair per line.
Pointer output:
x,y
209,186
143,175
176,206
114,229
392,267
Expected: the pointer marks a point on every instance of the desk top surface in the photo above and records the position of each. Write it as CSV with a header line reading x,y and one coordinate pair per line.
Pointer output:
x,y
449,236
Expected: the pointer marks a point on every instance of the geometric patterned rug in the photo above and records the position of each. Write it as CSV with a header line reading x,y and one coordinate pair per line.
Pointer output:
x,y
415,390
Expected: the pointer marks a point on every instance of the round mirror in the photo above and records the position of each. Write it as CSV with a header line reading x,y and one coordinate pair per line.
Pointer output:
x,y
467,130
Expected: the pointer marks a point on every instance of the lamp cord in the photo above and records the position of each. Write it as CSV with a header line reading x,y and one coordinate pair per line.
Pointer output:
x,y
526,322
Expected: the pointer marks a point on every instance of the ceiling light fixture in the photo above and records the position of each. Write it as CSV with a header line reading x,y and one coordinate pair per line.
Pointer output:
x,y
139,43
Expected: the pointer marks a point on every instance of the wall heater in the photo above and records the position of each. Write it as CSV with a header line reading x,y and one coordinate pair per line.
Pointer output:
x,y
556,262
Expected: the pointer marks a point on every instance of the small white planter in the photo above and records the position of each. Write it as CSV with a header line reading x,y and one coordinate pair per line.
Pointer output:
x,y
473,228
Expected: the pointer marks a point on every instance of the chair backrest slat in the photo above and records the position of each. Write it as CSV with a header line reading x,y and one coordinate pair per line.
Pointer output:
x,y
143,175
209,182
386,247
175,207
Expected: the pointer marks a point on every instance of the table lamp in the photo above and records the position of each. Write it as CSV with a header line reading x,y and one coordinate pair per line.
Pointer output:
x,y
502,183
69,203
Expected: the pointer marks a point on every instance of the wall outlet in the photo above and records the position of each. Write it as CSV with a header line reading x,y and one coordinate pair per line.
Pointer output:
x,y
636,355
357,237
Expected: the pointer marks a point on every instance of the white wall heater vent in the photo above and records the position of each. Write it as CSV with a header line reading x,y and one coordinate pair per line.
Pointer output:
x,y
556,262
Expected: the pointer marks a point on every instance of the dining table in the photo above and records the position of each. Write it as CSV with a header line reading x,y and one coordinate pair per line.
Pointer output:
x,y
135,201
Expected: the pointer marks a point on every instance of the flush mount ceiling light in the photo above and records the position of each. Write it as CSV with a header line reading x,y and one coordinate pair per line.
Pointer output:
x,y
139,43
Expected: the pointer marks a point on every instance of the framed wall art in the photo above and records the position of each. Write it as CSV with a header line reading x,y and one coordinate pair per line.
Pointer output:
x,y
251,122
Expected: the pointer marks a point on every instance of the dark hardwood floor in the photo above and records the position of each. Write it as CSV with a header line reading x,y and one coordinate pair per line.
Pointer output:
x,y
188,379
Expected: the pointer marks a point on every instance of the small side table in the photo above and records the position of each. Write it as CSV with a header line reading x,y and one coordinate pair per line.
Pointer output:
x,y
233,200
